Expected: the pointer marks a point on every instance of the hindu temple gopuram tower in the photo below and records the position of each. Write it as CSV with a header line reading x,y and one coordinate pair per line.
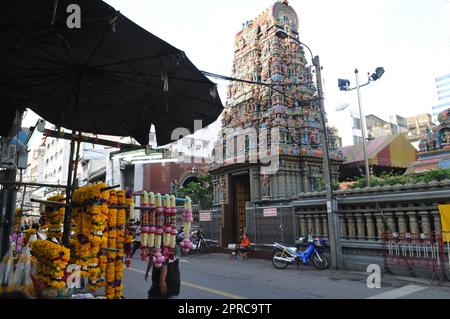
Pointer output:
x,y
287,105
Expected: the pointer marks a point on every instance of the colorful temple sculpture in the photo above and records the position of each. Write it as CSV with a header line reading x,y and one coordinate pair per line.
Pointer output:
x,y
434,147
269,146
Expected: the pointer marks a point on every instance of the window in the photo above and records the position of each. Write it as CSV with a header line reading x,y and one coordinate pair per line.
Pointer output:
x,y
356,123
357,140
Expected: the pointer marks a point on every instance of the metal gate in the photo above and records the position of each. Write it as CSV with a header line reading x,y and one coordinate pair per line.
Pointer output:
x,y
415,251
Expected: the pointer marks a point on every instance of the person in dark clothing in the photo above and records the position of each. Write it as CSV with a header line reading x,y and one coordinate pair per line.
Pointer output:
x,y
165,280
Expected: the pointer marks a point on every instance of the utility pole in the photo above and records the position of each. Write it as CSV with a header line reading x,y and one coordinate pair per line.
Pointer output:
x,y
332,211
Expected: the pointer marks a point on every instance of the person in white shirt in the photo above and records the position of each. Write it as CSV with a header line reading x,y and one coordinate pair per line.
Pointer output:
x,y
137,241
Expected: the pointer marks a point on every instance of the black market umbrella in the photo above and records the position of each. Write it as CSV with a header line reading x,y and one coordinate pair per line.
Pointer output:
x,y
108,77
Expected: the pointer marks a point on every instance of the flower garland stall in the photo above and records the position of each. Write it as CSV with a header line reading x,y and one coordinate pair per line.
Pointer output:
x,y
101,242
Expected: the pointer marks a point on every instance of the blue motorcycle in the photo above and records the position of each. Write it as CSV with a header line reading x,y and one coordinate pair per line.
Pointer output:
x,y
284,256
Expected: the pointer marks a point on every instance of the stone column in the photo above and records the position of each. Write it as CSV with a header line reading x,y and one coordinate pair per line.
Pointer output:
x,y
370,226
425,219
343,226
402,227
381,229
317,225
437,221
325,225
303,226
351,226
360,227
413,224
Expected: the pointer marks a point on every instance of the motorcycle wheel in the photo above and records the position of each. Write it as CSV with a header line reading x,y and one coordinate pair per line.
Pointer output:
x,y
204,247
279,264
320,262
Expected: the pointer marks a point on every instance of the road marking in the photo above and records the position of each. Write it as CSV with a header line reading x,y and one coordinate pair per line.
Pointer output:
x,y
213,291
398,293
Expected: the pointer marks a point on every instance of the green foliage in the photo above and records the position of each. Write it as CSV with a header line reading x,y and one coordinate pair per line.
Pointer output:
x,y
320,186
391,179
200,192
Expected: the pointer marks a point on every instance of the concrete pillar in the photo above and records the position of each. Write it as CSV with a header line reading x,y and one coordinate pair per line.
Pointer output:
x,y
425,219
413,223
437,221
299,180
317,225
325,225
303,225
360,227
282,184
370,225
343,226
402,226
305,177
381,229
351,226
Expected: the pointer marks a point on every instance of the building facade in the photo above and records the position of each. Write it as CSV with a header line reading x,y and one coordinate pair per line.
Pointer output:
x,y
417,127
269,145
443,95
378,127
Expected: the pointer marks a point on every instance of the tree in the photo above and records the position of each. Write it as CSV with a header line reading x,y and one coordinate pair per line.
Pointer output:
x,y
200,192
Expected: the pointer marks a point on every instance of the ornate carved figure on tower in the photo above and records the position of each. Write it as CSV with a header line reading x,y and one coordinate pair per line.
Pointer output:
x,y
265,186
434,146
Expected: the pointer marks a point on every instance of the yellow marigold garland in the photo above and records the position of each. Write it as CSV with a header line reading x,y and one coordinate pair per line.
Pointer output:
x,y
54,216
90,220
51,262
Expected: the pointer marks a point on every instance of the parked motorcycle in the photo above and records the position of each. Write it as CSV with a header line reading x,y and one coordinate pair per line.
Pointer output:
x,y
199,242
284,256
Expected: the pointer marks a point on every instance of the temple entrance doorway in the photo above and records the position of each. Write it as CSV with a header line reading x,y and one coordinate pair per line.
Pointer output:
x,y
241,195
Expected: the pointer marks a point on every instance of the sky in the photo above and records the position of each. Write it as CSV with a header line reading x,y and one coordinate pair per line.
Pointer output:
x,y
407,37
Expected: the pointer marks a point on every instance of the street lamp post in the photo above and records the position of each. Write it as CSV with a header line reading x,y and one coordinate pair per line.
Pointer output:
x,y
344,86
332,213
363,129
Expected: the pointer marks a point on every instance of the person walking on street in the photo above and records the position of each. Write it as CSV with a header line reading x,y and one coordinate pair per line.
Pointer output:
x,y
137,241
165,280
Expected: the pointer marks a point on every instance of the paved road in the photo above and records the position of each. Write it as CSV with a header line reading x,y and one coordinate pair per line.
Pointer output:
x,y
216,276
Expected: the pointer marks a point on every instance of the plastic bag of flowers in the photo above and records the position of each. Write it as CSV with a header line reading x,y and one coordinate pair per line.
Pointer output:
x,y
22,276
7,269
